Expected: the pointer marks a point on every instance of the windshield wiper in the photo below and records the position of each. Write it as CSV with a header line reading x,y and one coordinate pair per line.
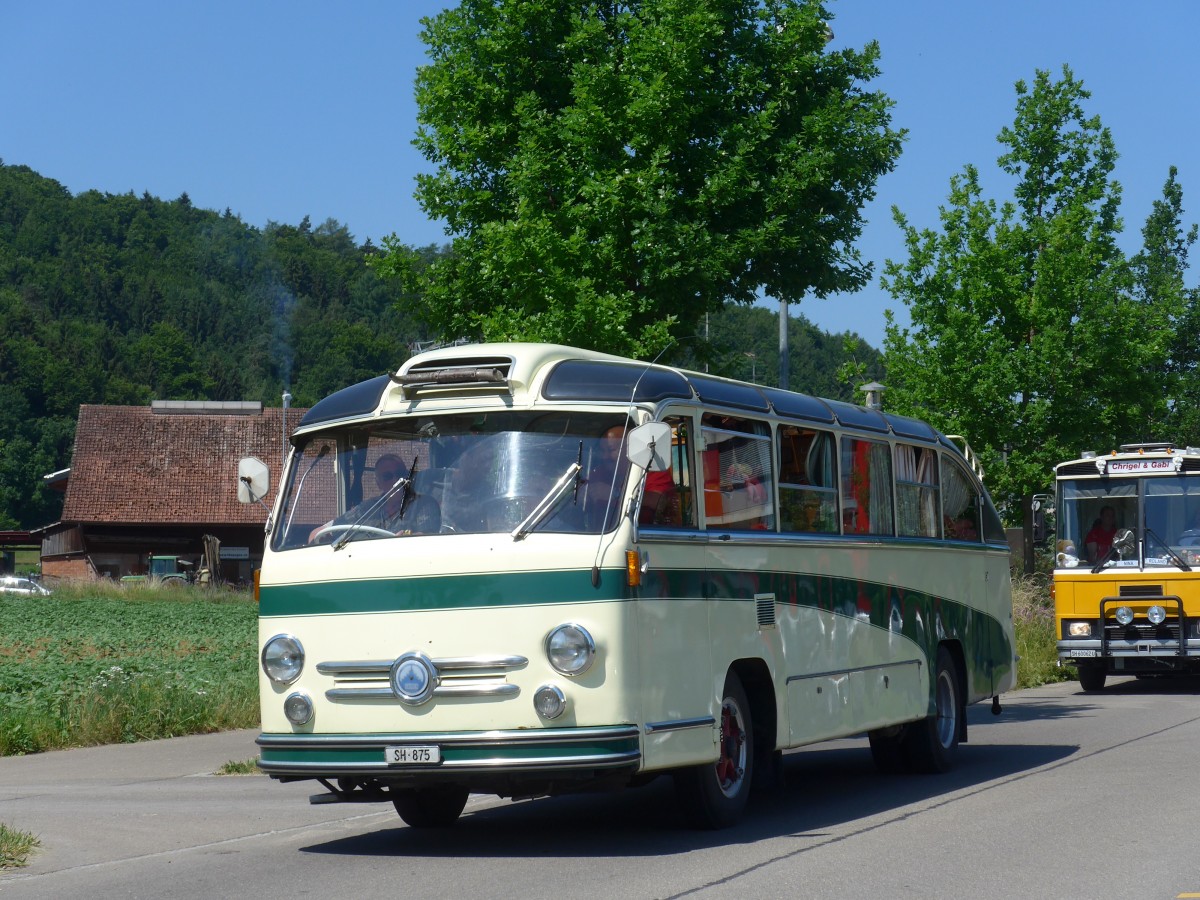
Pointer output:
x,y
1175,557
401,484
547,503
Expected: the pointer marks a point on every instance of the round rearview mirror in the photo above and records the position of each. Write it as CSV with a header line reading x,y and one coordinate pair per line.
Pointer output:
x,y
649,446
1123,542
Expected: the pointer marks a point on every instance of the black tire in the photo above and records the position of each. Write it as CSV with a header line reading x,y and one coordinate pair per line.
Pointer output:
x,y
437,807
888,749
932,743
714,795
1091,677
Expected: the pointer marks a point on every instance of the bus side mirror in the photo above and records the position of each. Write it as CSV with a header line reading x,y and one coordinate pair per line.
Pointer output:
x,y
254,480
649,447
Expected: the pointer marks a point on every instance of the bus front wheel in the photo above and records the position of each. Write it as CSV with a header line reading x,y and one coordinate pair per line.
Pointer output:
x,y
436,807
1091,677
714,795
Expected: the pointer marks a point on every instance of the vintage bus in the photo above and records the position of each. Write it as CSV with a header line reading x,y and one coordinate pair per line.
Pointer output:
x,y
1127,562
525,569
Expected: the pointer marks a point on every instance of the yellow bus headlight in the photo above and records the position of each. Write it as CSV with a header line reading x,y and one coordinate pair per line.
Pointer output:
x,y
1079,629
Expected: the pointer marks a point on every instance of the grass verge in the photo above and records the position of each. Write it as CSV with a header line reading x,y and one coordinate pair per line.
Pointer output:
x,y
240,767
1033,622
15,847
97,664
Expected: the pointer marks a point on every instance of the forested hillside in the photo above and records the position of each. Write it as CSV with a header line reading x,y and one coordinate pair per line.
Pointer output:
x,y
125,299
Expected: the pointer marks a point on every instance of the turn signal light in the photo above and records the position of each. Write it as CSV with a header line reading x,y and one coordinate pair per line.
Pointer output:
x,y
633,568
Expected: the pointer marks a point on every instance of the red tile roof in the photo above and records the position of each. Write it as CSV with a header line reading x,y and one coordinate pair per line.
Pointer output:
x,y
134,466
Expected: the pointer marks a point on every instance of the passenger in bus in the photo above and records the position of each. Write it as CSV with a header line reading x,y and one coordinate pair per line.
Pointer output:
x,y
1099,539
420,515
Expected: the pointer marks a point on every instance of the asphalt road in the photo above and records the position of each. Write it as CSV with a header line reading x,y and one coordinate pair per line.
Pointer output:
x,y
1065,795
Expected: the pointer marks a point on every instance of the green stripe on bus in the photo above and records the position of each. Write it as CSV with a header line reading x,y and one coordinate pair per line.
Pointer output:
x,y
443,592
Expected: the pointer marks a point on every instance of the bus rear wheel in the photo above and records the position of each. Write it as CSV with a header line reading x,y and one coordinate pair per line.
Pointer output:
x,y
932,743
436,807
1091,677
714,795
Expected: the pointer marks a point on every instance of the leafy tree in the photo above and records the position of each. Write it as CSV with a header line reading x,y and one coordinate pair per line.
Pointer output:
x,y
1159,283
1026,335
611,170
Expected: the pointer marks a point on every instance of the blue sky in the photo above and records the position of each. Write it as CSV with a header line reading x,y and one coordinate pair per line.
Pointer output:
x,y
280,110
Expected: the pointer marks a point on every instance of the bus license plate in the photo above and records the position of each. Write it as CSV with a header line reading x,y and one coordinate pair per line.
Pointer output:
x,y
424,755
1083,654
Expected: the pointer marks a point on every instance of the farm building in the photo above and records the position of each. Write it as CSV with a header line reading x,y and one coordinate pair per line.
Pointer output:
x,y
154,481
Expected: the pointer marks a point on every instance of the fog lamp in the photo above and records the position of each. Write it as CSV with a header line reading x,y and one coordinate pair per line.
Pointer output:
x,y
1156,615
1079,629
1124,615
549,701
298,708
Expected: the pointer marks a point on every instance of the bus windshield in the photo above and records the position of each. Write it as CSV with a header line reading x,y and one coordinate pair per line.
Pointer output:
x,y
456,474
1163,513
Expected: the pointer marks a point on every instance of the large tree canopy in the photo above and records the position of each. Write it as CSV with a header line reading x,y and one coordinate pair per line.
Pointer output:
x,y
609,169
1029,333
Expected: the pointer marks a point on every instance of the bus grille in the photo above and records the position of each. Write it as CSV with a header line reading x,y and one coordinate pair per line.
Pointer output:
x,y
1141,631
473,676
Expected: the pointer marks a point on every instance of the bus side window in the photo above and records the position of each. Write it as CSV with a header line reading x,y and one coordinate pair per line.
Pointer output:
x,y
667,497
808,499
960,503
866,487
739,490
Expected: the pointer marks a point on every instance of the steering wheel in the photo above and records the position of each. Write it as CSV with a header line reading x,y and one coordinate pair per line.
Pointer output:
x,y
327,530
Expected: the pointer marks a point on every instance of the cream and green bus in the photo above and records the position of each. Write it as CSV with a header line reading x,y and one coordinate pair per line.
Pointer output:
x,y
525,570
1127,562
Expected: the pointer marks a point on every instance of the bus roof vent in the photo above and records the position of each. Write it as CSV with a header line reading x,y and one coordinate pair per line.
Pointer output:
x,y
456,374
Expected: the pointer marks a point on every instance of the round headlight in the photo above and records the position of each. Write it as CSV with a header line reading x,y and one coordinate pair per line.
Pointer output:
x,y
1156,614
570,649
283,659
549,701
298,708
1124,615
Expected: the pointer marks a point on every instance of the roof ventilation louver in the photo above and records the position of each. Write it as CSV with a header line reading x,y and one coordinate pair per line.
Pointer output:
x,y
489,373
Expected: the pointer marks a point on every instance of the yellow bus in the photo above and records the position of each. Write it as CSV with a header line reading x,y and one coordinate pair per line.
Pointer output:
x,y
1127,562
525,569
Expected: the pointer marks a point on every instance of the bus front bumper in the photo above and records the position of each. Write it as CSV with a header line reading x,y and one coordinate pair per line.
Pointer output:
x,y
1129,654
462,757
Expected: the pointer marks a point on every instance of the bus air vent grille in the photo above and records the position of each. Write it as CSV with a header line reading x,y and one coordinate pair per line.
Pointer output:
x,y
764,605
1141,590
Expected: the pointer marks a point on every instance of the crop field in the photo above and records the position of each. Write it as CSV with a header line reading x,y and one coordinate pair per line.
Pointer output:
x,y
97,666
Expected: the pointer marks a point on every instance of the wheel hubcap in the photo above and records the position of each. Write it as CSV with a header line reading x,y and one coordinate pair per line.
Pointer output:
x,y
947,711
731,766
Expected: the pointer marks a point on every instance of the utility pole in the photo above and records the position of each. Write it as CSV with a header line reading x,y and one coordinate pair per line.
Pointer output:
x,y
783,344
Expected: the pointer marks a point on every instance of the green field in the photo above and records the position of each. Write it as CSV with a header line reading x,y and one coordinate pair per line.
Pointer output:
x,y
107,665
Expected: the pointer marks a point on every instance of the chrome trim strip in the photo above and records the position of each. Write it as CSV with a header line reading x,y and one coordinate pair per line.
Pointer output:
x,y
891,665
459,738
446,690
680,725
599,761
449,663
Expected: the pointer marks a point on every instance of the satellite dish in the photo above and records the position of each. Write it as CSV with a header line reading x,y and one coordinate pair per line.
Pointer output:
x,y
254,480
649,446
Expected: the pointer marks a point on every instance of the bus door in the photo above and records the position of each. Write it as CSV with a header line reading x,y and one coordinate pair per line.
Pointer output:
x,y
673,610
